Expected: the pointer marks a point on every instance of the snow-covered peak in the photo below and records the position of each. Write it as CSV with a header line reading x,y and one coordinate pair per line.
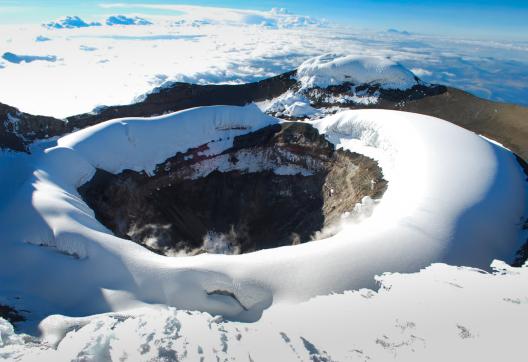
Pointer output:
x,y
333,69
125,20
70,22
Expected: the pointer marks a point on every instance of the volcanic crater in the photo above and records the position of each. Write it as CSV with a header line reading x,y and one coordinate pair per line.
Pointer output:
x,y
276,186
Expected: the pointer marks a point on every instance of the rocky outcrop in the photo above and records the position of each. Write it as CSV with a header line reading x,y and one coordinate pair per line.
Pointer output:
x,y
505,123
502,122
18,129
11,314
276,186
348,95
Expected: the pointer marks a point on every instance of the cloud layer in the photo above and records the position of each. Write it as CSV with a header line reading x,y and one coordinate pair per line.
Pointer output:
x,y
213,45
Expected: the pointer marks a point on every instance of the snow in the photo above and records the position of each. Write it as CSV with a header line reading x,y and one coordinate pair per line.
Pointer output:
x,y
131,140
290,104
453,197
441,313
334,69
247,162
423,218
165,306
300,109
296,104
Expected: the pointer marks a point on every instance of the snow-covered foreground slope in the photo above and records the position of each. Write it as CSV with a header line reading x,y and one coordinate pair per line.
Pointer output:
x,y
452,197
441,313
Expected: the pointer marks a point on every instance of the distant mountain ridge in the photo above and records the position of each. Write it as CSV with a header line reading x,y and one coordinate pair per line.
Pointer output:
x,y
504,123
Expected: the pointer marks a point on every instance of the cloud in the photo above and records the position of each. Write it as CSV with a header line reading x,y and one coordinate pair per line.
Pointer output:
x,y
124,20
275,18
87,48
117,5
14,9
70,22
41,38
17,59
420,72
218,45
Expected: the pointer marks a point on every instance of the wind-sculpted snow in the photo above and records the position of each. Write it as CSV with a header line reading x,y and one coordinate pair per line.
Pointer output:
x,y
442,313
334,69
140,144
452,197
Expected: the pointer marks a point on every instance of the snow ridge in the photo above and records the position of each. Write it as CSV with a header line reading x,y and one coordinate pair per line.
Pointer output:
x,y
422,218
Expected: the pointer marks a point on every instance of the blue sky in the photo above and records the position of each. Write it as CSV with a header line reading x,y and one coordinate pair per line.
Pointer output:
x,y
491,19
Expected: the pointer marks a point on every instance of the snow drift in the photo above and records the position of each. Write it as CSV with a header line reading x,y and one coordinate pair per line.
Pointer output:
x,y
407,319
452,197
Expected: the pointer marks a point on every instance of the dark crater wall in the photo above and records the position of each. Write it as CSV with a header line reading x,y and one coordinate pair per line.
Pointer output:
x,y
301,185
19,129
323,97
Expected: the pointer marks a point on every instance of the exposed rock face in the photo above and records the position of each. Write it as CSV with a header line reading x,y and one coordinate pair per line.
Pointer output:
x,y
327,97
276,186
18,129
522,254
11,314
505,123
351,96
502,122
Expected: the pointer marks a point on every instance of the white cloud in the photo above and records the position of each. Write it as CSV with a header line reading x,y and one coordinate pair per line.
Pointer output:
x,y
218,45
421,72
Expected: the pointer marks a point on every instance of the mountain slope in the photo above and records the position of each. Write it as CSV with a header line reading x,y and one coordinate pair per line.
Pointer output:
x,y
502,122
505,123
